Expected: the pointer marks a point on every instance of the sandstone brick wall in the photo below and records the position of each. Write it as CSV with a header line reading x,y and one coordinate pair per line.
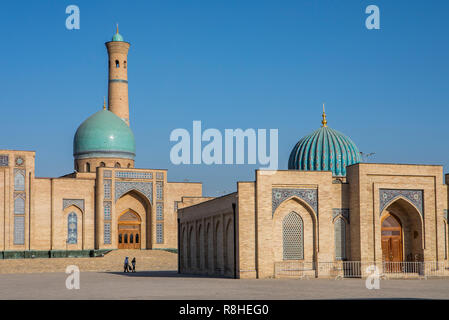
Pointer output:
x,y
207,243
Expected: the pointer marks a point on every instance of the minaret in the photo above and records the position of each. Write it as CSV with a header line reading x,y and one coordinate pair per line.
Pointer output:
x,y
118,77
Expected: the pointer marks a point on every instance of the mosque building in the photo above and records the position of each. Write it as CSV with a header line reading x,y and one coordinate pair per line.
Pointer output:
x,y
328,215
106,203
327,209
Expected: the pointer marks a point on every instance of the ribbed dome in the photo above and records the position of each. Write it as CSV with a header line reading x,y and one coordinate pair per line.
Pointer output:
x,y
104,135
324,150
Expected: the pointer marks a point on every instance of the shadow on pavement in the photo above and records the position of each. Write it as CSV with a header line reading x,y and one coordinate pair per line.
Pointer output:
x,y
163,274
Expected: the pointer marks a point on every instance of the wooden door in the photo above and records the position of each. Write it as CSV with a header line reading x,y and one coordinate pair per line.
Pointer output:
x,y
392,244
129,239
129,236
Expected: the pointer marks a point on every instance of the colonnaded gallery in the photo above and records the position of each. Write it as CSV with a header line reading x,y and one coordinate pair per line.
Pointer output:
x,y
328,208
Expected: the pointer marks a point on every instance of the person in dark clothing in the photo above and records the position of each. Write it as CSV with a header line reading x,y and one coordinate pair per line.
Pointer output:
x,y
126,265
133,262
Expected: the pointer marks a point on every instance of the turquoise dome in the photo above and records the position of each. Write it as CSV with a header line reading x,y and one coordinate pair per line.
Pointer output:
x,y
324,150
117,37
104,135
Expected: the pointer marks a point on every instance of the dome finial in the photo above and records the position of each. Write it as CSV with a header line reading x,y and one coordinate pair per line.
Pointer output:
x,y
104,103
324,121
117,29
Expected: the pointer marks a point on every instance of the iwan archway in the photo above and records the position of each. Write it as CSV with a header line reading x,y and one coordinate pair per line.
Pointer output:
x,y
401,232
134,221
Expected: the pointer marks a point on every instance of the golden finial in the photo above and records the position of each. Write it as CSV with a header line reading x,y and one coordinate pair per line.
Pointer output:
x,y
324,121
104,104
117,28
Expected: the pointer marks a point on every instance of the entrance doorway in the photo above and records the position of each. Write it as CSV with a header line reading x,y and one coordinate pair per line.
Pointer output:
x,y
391,233
129,230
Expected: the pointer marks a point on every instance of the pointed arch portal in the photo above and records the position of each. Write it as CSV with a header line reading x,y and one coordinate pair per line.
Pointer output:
x,y
129,230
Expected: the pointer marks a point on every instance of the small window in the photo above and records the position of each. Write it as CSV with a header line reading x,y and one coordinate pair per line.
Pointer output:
x,y
126,238
129,165
131,238
102,164
120,238
72,228
19,205
137,238
19,181
117,165
87,167
124,64
117,64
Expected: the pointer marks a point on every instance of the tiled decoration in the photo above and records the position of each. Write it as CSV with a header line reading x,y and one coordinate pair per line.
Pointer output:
x,y
387,196
340,238
19,203
159,190
159,233
107,233
159,176
340,212
310,196
107,174
133,175
19,230
107,184
20,161
293,237
72,228
4,160
122,187
73,202
107,210
19,180
159,211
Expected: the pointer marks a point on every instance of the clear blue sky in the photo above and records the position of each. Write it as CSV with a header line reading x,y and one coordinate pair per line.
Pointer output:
x,y
230,64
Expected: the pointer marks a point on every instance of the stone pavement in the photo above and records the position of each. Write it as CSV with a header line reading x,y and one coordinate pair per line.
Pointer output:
x,y
113,261
170,285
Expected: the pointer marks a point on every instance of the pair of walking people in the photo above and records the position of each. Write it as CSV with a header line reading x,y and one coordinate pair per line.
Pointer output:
x,y
127,267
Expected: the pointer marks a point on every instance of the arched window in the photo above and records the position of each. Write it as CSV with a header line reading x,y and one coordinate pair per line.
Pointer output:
x,y
117,165
126,238
102,164
19,205
124,64
293,237
131,238
340,239
120,238
117,64
72,228
19,181
137,238
87,167
129,165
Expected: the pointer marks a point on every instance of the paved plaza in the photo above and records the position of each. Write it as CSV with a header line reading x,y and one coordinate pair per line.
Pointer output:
x,y
170,285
